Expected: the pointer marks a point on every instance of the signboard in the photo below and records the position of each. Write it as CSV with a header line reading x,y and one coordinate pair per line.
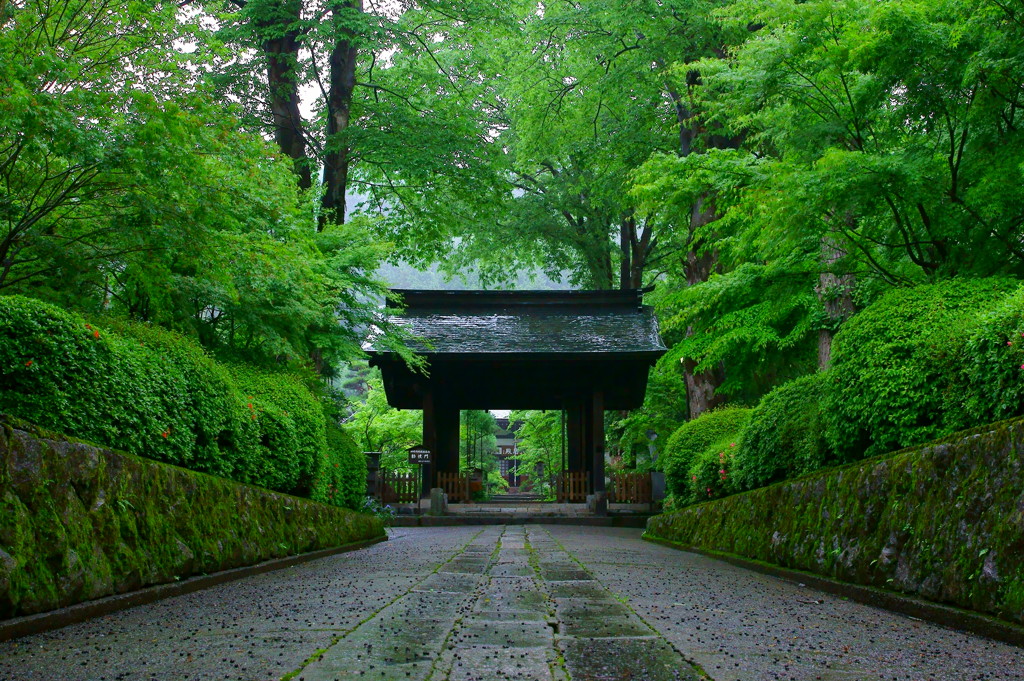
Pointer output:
x,y
419,455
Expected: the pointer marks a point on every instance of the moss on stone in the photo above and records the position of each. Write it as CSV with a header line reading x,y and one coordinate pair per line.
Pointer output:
x,y
942,521
78,521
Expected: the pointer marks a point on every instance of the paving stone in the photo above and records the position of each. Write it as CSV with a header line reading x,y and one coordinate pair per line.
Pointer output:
x,y
511,570
553,574
624,660
450,582
516,634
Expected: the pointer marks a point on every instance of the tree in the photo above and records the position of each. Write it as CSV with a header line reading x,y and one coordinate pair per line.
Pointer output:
x,y
539,452
479,447
379,427
129,189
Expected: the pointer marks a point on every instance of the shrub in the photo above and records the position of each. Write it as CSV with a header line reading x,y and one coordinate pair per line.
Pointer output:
x,y
892,364
712,473
209,429
153,393
784,438
990,384
344,480
291,427
694,437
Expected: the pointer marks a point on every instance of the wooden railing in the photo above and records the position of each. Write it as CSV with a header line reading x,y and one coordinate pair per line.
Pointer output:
x,y
630,488
398,488
573,487
455,486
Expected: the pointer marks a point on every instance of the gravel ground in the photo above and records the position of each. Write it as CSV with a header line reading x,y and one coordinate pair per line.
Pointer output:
x,y
517,602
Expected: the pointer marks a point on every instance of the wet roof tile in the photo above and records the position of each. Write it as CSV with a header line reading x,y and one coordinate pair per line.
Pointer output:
x,y
571,323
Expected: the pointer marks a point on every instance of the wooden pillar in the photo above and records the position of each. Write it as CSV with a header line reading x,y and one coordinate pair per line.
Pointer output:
x,y
587,424
596,443
429,441
574,435
446,456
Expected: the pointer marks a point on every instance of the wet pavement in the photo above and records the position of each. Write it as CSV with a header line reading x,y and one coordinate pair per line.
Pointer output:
x,y
514,602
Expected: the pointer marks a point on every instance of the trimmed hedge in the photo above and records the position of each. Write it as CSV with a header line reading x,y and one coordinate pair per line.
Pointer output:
x,y
893,365
79,522
941,521
694,438
150,392
990,380
784,437
343,482
711,473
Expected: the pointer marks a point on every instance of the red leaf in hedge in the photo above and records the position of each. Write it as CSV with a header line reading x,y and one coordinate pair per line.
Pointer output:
x,y
28,363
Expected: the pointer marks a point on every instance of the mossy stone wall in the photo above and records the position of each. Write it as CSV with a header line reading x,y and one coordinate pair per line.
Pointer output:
x,y
78,522
942,521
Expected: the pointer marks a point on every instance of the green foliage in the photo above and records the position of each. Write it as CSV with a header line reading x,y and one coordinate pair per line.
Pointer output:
x,y
130,190
379,427
990,379
663,411
479,449
290,422
712,471
151,392
758,320
539,452
343,481
694,439
784,438
894,363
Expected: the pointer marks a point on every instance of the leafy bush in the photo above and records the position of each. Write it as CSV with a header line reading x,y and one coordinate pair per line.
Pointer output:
x,y
893,363
343,482
693,438
712,471
151,392
291,426
784,438
990,385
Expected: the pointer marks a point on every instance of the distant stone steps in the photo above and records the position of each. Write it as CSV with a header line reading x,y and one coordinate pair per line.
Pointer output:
x,y
520,498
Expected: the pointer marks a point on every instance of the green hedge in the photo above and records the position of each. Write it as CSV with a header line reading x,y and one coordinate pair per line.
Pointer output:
x,y
990,379
712,471
784,437
690,444
344,480
151,392
893,366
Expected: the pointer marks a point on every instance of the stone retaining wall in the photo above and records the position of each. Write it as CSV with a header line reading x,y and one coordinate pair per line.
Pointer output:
x,y
78,522
942,521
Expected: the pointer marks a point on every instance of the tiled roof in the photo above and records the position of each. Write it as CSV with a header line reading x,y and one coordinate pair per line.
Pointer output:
x,y
530,322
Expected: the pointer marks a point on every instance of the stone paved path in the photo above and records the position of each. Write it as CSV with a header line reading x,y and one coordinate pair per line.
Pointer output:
x,y
519,602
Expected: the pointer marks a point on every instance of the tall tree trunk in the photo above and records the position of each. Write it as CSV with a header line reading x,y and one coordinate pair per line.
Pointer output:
x,y
627,228
836,295
282,52
339,107
635,247
702,387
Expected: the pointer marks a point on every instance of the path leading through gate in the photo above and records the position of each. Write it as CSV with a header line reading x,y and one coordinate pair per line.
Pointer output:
x,y
518,602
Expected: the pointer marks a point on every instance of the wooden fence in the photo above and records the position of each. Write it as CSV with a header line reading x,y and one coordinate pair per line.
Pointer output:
x,y
573,487
455,486
398,488
630,488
